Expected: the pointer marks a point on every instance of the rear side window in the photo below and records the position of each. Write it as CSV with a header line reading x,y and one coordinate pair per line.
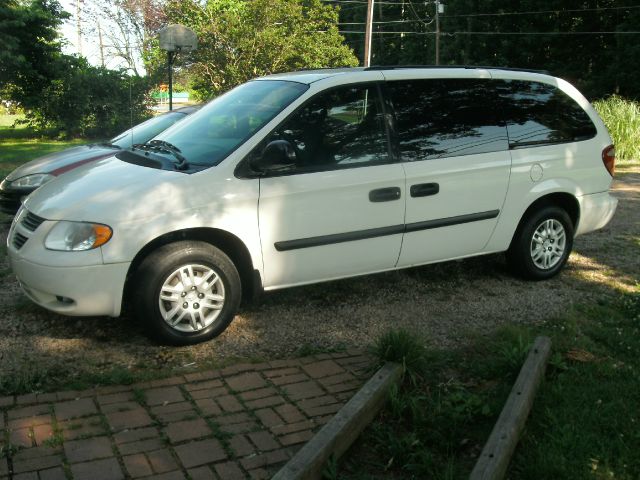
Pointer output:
x,y
439,118
540,114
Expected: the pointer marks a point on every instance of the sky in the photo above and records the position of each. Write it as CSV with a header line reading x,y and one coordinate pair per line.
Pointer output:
x,y
90,43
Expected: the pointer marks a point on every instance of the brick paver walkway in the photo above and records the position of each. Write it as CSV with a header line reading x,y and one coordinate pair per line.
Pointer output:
x,y
240,422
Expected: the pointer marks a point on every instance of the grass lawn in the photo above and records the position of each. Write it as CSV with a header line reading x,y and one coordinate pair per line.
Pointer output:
x,y
19,144
584,422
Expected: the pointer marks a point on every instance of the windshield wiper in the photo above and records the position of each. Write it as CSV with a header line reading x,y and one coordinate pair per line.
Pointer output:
x,y
160,146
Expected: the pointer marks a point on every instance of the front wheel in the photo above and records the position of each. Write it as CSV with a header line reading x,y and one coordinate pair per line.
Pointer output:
x,y
186,292
542,244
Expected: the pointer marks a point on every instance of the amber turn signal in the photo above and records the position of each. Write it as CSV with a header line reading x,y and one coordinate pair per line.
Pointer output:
x,y
102,234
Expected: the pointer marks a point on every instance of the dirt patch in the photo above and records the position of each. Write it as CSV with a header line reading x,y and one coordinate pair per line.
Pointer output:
x,y
446,302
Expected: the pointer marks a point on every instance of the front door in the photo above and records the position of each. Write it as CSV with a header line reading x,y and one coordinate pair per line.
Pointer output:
x,y
339,210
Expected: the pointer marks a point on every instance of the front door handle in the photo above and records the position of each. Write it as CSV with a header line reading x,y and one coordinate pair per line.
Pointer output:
x,y
384,194
424,189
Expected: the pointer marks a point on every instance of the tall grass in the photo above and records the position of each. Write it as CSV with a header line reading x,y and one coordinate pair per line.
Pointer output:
x,y
404,348
622,118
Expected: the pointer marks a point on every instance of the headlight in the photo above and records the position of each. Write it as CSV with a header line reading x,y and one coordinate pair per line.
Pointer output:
x,y
32,181
77,236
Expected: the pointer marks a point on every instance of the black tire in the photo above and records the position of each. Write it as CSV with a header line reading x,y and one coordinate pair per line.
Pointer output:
x,y
520,256
166,263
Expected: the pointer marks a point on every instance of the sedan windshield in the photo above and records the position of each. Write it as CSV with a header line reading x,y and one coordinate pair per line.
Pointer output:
x,y
208,136
146,130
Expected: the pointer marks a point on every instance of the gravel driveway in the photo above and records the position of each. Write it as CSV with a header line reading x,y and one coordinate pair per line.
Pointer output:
x,y
446,302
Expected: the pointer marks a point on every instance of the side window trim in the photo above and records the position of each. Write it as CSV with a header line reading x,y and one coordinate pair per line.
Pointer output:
x,y
243,170
390,122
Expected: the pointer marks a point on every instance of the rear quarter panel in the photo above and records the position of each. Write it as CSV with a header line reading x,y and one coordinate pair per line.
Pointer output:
x,y
575,168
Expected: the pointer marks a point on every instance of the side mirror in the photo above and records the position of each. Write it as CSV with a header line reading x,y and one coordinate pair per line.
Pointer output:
x,y
277,155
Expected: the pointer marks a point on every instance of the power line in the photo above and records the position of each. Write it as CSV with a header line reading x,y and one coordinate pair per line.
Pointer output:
x,y
421,20
474,14
541,11
495,33
546,33
498,14
379,22
360,2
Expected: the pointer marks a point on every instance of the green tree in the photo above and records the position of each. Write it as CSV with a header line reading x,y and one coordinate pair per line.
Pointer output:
x,y
30,46
560,37
88,101
242,39
61,94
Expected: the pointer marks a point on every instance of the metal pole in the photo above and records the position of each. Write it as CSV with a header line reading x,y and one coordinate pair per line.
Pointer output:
x,y
170,62
101,45
79,25
367,35
437,32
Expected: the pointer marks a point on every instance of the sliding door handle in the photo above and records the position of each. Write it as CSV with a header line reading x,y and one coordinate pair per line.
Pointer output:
x,y
384,194
424,189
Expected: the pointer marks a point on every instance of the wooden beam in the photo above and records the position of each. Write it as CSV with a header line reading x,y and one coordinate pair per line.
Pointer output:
x,y
496,454
337,436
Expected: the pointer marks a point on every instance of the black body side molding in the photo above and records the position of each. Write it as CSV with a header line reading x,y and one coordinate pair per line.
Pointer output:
x,y
382,231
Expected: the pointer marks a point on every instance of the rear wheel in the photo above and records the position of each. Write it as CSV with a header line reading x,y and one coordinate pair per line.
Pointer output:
x,y
186,292
542,244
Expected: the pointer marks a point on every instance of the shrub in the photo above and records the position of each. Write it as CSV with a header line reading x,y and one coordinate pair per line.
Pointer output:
x,y
622,118
87,101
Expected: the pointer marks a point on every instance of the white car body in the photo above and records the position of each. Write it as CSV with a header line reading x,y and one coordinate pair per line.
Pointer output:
x,y
143,205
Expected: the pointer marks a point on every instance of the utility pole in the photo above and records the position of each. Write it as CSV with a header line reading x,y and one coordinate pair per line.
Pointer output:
x,y
78,26
439,10
101,45
368,34
402,34
437,32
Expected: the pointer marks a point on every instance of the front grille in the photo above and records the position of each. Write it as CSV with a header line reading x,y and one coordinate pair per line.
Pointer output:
x,y
31,221
19,240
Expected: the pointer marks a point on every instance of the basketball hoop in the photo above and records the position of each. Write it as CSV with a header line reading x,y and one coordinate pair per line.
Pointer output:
x,y
176,38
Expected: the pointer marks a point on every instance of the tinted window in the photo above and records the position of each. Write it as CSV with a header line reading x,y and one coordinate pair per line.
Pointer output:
x,y
339,128
538,114
445,117
207,136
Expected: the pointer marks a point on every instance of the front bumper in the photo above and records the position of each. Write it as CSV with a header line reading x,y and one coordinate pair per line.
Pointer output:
x,y
596,211
78,291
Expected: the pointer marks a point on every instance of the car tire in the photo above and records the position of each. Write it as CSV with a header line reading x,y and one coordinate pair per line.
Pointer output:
x,y
186,292
542,244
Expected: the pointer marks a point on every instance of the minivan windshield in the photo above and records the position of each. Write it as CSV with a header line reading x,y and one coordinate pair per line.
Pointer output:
x,y
208,136
146,130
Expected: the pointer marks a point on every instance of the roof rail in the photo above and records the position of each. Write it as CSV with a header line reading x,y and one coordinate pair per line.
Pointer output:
x,y
327,68
511,69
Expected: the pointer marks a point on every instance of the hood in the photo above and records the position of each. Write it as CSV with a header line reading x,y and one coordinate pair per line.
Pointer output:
x,y
60,162
108,191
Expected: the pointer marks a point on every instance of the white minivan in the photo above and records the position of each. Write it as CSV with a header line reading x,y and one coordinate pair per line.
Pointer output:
x,y
312,176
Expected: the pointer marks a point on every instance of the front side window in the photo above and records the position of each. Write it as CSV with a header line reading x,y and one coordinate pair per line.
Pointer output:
x,y
336,129
538,114
438,118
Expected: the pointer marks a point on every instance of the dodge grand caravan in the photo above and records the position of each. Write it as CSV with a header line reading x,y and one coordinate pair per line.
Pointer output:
x,y
311,176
